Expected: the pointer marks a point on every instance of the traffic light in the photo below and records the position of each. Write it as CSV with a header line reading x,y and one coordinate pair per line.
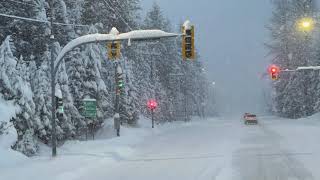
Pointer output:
x,y
188,48
120,83
59,105
274,72
152,104
114,50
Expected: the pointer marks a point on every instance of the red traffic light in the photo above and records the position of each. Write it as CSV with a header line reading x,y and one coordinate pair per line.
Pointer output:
x,y
274,69
152,104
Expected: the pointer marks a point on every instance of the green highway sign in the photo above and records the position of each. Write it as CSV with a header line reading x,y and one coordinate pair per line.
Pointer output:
x,y
90,108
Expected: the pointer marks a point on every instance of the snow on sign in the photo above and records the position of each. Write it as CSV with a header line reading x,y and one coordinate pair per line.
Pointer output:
x,y
90,108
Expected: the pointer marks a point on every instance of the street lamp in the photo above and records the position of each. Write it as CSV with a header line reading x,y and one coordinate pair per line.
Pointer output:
x,y
305,24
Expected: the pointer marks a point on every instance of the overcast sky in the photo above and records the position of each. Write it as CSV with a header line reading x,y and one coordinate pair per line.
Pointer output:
x,y
230,36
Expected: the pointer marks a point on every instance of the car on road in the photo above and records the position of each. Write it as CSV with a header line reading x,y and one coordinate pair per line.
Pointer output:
x,y
250,119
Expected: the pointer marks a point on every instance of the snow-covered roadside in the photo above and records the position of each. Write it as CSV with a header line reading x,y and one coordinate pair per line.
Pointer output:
x,y
79,157
298,135
221,149
107,145
300,138
8,157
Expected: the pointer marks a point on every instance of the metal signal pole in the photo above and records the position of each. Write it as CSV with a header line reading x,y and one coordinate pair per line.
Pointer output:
x,y
117,101
152,117
53,109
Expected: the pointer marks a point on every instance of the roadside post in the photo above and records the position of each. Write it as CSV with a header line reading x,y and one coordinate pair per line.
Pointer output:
x,y
152,105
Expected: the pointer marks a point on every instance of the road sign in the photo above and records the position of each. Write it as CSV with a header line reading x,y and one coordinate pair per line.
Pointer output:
x,y
90,108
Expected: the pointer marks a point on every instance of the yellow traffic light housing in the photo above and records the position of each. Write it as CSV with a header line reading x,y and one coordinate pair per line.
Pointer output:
x,y
114,50
188,47
274,76
274,72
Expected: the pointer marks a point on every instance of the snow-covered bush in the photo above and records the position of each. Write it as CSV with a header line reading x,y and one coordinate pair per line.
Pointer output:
x,y
27,143
3,127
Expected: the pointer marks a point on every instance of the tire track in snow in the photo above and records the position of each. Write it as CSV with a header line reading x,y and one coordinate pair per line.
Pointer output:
x,y
273,163
296,167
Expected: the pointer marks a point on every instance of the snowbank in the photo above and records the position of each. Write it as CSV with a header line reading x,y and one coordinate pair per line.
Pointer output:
x,y
8,156
108,145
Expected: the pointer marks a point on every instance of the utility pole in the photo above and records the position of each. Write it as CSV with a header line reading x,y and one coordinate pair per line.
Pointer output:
x,y
53,109
117,100
152,118
152,78
185,100
153,91
185,92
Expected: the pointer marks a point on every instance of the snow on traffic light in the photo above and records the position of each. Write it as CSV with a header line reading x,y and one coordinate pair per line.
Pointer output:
x,y
274,71
188,47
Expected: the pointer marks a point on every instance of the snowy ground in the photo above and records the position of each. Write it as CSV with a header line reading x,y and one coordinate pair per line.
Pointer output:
x,y
215,149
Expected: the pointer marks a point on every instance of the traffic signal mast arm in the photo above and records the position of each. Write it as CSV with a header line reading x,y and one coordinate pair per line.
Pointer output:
x,y
308,68
274,70
302,68
138,35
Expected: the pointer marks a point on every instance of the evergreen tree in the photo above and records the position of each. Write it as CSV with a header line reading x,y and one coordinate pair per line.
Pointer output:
x,y
30,38
129,99
42,93
112,13
14,87
291,48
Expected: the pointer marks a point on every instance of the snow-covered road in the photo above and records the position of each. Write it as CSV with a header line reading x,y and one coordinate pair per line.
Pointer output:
x,y
217,149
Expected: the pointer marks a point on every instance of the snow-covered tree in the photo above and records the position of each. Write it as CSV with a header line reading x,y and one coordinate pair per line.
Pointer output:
x,y
121,14
14,87
30,38
291,48
25,58
129,111
86,80
41,85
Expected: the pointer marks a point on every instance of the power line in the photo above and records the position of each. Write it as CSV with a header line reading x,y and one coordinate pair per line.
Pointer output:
x,y
24,3
108,3
41,21
118,4
118,14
